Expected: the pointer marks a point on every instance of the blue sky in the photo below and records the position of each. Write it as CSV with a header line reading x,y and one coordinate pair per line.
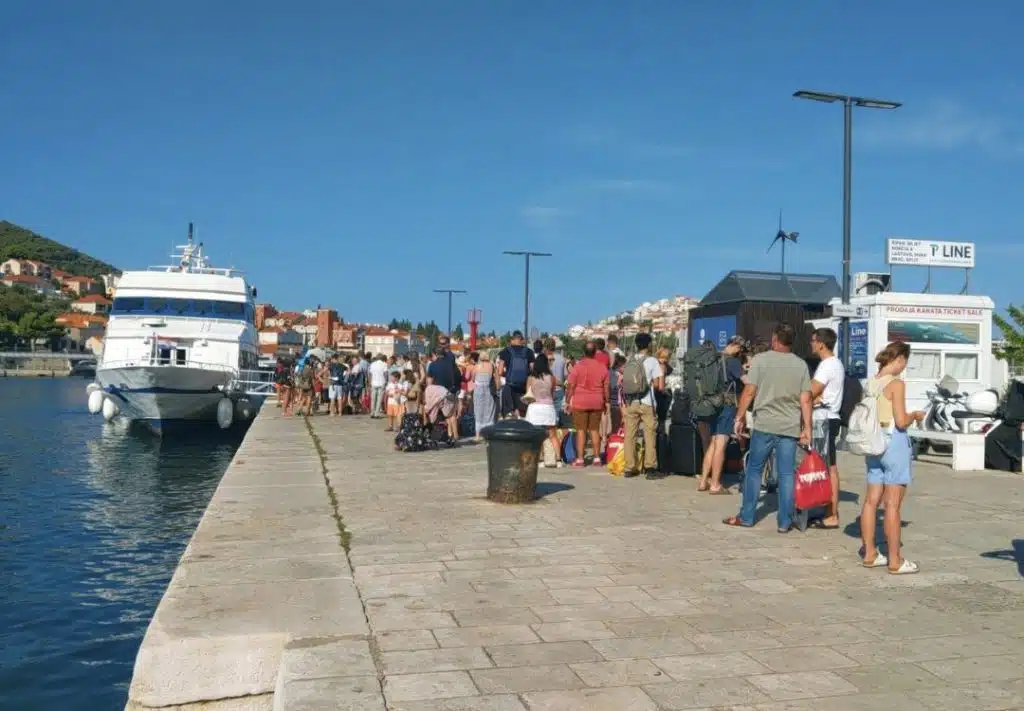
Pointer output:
x,y
362,154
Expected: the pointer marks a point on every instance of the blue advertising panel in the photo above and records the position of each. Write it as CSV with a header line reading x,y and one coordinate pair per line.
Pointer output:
x,y
858,349
717,329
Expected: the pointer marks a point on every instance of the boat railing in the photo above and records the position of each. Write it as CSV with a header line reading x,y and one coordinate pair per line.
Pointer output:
x,y
218,271
253,382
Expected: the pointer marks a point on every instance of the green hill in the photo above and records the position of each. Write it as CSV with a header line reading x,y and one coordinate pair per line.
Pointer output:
x,y
16,241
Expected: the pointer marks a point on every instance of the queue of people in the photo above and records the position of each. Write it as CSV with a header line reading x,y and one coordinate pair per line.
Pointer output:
x,y
767,397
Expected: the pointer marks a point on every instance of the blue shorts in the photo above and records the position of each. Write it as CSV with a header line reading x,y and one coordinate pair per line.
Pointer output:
x,y
893,467
725,423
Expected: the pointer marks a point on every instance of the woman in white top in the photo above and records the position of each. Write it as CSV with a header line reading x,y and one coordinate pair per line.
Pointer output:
x,y
888,474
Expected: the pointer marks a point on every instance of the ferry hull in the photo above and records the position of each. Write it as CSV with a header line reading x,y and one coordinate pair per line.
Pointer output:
x,y
159,394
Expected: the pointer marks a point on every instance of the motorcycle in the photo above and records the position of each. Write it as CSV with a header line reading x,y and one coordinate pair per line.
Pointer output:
x,y
951,411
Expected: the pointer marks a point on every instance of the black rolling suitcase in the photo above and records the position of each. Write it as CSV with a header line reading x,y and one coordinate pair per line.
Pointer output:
x,y
664,443
685,448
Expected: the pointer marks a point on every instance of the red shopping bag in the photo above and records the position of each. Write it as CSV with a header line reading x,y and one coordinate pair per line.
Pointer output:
x,y
813,485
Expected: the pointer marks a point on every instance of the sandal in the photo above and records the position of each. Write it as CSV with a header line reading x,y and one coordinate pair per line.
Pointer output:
x,y
579,464
720,491
880,561
907,567
819,523
736,522
703,486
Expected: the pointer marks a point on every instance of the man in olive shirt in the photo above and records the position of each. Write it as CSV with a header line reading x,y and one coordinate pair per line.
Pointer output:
x,y
779,386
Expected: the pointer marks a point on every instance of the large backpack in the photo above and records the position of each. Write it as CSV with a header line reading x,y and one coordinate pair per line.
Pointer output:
x,y
634,383
519,368
705,380
864,435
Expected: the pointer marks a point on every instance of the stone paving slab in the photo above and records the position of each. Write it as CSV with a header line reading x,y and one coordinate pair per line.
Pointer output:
x,y
630,595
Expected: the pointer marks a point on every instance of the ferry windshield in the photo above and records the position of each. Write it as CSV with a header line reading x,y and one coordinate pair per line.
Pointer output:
x,y
200,308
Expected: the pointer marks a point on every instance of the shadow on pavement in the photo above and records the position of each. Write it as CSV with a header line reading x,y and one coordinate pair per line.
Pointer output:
x,y
546,488
1016,554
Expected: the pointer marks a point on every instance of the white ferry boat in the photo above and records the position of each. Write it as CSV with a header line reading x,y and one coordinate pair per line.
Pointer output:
x,y
181,345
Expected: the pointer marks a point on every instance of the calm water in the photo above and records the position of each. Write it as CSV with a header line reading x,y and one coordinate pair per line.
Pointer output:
x,y
93,519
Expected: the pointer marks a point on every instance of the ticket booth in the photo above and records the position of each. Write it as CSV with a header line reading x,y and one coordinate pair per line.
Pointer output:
x,y
949,334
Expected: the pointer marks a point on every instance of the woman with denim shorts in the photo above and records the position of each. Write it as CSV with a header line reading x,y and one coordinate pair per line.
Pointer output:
x,y
888,474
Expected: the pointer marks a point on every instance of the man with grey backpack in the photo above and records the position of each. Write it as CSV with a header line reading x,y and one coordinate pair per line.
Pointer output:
x,y
641,377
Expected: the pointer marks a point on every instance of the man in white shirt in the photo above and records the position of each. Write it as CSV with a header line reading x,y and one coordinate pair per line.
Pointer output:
x,y
378,382
827,391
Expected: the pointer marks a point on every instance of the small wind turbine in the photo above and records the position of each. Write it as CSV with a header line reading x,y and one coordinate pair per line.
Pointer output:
x,y
783,237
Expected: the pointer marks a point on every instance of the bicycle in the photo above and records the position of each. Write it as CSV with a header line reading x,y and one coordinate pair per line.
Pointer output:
x,y
769,477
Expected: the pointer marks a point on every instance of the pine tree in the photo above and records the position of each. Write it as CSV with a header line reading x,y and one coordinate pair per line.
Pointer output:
x,y
457,334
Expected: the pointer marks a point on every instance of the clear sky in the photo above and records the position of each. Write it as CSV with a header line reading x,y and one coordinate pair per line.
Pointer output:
x,y
361,154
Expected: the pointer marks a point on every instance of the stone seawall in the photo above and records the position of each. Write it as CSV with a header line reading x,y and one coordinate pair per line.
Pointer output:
x,y
263,593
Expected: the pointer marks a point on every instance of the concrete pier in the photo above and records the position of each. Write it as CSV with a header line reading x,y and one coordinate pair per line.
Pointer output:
x,y
604,594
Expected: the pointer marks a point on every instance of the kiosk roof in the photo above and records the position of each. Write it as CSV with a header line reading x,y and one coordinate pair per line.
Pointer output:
x,y
773,287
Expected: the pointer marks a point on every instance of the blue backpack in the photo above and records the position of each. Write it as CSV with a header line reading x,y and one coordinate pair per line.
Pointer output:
x,y
569,447
519,368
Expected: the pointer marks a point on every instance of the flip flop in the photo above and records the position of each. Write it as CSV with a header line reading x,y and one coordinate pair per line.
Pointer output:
x,y
819,523
719,492
736,522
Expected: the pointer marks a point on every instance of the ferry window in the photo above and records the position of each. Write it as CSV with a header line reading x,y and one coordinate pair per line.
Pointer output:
x,y
962,366
230,308
181,307
163,355
203,307
924,365
158,306
127,305
180,356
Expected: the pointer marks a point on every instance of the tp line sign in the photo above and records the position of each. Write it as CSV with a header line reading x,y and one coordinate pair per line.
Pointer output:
x,y
929,253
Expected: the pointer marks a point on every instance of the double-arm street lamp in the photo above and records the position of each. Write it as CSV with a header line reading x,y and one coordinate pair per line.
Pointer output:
x,y
848,102
450,292
526,306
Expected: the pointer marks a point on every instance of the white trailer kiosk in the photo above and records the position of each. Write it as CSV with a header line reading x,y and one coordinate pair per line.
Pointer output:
x,y
949,334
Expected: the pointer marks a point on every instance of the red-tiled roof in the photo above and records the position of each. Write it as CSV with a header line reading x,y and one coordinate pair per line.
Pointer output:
x,y
289,315
80,279
75,319
94,299
22,279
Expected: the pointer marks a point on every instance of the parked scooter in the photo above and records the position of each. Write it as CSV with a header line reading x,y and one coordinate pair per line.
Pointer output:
x,y
956,412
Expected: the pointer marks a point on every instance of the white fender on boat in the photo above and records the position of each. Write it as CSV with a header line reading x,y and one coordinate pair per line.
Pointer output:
x,y
225,413
92,387
95,401
110,409
246,413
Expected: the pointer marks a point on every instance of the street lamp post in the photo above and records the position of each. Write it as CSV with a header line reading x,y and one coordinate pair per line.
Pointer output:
x,y
849,102
526,300
450,292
